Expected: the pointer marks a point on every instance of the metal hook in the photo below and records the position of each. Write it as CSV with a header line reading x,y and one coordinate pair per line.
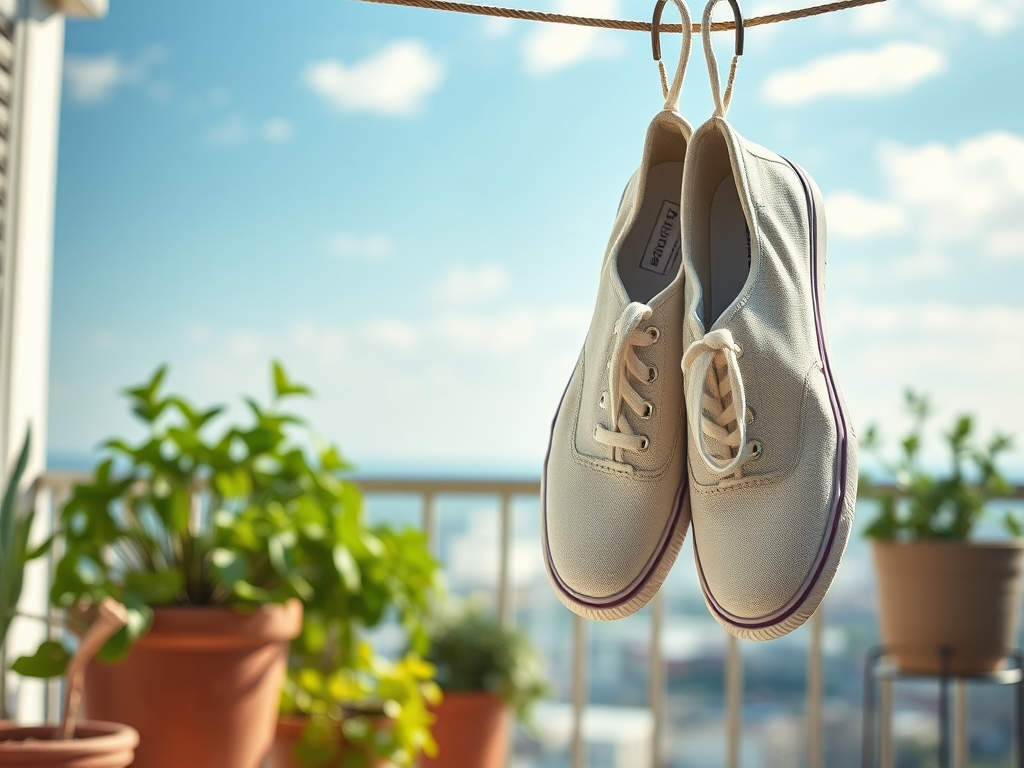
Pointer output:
x,y
738,16
659,7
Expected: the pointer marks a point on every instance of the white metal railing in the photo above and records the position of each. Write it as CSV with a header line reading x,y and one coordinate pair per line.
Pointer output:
x,y
54,488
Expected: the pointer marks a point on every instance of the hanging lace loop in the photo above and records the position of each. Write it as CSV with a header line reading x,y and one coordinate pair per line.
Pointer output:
x,y
671,92
721,99
624,364
712,376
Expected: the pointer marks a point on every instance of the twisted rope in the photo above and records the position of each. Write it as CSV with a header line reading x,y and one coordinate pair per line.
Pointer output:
x,y
637,26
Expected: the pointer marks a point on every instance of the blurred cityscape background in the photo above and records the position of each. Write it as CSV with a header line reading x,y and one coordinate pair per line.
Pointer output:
x,y
618,723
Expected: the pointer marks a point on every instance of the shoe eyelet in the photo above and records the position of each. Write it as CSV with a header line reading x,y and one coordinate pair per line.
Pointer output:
x,y
652,375
654,333
645,443
750,416
756,450
603,402
647,411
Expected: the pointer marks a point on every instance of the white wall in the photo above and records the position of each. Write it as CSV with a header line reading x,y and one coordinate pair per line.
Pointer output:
x,y
25,319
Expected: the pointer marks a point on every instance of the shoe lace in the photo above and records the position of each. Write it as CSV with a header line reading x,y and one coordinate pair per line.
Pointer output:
x,y
712,374
619,436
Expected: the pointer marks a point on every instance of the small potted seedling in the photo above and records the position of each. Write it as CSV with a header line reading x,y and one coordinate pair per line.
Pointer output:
x,y
70,744
946,600
487,673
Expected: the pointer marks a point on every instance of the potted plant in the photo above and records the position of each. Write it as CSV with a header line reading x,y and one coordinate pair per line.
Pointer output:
x,y
945,600
211,541
487,673
371,713
342,704
105,745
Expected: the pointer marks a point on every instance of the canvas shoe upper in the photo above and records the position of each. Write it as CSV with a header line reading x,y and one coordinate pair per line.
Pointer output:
x,y
772,456
613,501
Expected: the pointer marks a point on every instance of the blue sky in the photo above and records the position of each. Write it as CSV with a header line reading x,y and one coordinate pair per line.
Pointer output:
x,y
409,208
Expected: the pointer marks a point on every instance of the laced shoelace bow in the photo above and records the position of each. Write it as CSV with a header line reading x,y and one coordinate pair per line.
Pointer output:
x,y
712,375
623,364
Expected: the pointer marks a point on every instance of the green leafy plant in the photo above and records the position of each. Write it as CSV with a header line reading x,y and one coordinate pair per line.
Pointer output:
x,y
15,528
925,505
378,706
373,709
472,651
237,515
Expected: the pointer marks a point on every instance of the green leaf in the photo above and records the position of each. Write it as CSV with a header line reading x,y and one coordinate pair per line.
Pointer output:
x,y
283,387
231,566
9,506
49,660
251,593
234,485
347,568
116,647
331,460
41,550
145,403
153,588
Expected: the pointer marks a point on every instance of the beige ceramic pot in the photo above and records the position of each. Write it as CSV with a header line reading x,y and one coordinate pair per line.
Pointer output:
x,y
472,730
96,745
201,687
964,597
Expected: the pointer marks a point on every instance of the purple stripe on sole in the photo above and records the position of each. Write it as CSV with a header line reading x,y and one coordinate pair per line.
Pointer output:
x,y
650,568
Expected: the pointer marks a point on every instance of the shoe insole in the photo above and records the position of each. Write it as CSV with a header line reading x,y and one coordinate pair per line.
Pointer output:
x,y
730,250
649,258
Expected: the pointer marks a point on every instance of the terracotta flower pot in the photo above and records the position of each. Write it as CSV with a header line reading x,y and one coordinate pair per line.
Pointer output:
x,y
96,745
964,597
472,730
201,687
289,733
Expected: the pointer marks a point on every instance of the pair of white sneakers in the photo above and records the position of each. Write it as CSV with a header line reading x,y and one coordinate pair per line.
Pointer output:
x,y
704,394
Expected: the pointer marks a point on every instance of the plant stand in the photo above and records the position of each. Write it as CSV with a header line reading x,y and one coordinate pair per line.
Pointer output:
x,y
880,673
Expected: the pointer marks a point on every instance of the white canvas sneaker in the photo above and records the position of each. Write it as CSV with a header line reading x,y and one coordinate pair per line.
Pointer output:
x,y
772,456
614,511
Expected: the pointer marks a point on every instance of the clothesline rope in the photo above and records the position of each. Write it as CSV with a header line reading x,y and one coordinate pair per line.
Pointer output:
x,y
638,26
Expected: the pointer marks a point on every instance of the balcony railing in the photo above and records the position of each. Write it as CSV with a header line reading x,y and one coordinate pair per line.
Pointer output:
x,y
54,488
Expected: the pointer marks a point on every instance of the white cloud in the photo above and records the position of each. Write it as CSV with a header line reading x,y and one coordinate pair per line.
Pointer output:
x,y
395,81
497,28
218,97
349,245
957,354
102,340
892,69
392,333
464,285
971,192
993,17
478,385
234,129
93,79
198,333
945,198
278,129
857,218
517,329
553,47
